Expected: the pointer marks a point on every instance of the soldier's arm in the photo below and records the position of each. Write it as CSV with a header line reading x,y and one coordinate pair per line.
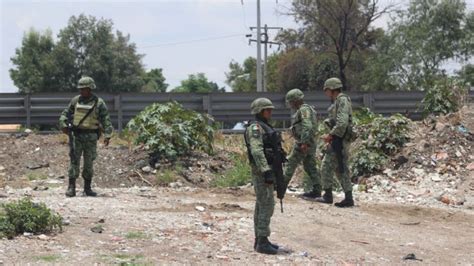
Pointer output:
x,y
64,114
104,119
255,137
306,125
342,117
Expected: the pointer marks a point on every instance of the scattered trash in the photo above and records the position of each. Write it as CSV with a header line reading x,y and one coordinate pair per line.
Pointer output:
x,y
200,208
147,169
411,223
360,242
463,129
97,229
411,256
37,166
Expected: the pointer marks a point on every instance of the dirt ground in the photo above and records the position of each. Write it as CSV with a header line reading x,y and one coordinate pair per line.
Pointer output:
x,y
401,210
153,226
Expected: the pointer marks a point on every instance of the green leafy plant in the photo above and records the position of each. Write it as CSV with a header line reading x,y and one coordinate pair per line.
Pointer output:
x,y
379,137
26,216
171,131
446,96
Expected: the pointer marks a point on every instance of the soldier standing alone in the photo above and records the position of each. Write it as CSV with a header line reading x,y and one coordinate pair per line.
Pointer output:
x,y
88,114
336,159
303,128
261,140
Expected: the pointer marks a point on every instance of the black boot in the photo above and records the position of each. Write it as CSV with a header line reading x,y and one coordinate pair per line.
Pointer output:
x,y
313,194
347,202
264,246
87,188
326,198
275,246
71,188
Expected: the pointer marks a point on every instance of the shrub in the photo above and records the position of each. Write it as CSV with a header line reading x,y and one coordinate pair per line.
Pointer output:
x,y
378,137
446,96
26,216
171,131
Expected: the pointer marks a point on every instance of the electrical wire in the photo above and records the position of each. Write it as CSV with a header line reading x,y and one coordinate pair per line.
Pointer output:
x,y
194,41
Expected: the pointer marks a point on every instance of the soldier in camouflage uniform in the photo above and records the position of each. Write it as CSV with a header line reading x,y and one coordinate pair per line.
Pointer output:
x,y
257,139
336,159
303,128
89,116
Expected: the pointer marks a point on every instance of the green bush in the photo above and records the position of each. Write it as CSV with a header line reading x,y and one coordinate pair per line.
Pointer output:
x,y
378,137
26,216
238,175
171,131
446,96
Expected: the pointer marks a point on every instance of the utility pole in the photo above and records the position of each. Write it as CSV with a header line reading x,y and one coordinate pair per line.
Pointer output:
x,y
259,50
266,42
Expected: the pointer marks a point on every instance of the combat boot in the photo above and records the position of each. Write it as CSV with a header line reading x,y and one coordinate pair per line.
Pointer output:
x,y
275,246
87,188
71,188
326,198
264,246
313,194
348,201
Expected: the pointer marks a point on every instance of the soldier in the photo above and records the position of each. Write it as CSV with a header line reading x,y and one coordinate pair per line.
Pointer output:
x,y
88,115
260,141
303,128
336,159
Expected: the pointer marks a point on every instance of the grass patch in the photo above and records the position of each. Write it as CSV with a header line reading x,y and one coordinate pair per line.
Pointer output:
x,y
166,176
48,258
238,175
36,176
136,235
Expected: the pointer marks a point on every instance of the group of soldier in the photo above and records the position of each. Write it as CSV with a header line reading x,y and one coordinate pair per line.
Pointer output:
x,y
263,147
86,118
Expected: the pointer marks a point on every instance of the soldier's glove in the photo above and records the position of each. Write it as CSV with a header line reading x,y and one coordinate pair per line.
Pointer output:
x,y
268,177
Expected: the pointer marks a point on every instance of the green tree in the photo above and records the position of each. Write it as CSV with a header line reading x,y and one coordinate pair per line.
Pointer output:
x,y
198,83
338,27
467,74
35,64
86,46
294,69
154,81
242,78
420,40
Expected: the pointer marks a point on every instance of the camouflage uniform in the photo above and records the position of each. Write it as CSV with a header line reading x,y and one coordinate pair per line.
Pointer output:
x,y
86,135
339,122
303,127
262,176
340,112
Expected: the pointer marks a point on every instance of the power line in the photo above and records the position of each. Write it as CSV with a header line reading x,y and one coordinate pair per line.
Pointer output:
x,y
194,40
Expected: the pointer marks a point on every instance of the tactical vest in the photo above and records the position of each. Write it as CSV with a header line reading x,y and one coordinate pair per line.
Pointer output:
x,y
81,110
271,142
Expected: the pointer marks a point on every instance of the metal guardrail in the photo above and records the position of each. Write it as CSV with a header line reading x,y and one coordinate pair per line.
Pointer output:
x,y
44,108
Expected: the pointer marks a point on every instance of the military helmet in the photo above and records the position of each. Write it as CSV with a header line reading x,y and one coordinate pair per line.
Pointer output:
x,y
86,82
294,95
332,84
260,104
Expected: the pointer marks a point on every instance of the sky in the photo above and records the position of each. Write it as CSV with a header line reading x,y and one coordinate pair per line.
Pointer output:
x,y
164,31
182,36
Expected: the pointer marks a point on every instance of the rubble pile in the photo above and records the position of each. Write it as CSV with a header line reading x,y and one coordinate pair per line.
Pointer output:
x,y
41,162
435,167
